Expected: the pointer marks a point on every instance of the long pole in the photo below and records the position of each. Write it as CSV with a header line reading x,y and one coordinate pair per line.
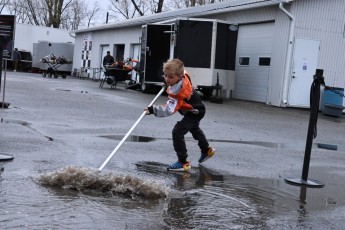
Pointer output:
x,y
315,98
129,132
3,93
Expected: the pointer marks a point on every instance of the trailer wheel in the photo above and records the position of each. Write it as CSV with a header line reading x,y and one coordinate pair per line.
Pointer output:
x,y
145,88
44,74
49,75
207,92
63,76
56,75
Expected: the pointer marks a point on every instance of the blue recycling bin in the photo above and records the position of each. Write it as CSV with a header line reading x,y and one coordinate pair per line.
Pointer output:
x,y
332,102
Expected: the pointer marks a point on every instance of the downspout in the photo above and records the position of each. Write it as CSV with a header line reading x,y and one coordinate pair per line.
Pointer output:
x,y
288,60
70,34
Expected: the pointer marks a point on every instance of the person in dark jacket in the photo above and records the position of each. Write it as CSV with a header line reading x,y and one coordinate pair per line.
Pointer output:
x,y
184,99
108,59
16,58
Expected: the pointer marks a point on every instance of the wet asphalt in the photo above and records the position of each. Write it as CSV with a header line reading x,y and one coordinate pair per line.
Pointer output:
x,y
53,123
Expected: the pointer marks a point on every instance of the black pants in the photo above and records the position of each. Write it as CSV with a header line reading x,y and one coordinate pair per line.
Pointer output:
x,y
187,124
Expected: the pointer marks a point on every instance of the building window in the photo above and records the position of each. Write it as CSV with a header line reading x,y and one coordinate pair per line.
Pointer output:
x,y
243,60
264,61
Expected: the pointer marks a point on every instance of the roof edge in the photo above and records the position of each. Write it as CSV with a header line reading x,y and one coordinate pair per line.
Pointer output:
x,y
199,11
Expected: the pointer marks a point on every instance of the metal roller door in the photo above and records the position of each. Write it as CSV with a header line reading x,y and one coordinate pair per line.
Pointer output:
x,y
253,58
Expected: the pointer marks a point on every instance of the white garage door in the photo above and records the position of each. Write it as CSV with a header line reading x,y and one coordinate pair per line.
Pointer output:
x,y
253,58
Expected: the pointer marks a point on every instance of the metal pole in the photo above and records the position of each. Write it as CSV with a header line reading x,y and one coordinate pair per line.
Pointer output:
x,y
1,58
129,132
3,93
314,106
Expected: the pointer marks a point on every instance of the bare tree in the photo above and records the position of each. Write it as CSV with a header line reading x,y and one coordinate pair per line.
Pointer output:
x,y
37,12
55,9
92,14
128,8
73,16
136,8
40,12
3,4
17,8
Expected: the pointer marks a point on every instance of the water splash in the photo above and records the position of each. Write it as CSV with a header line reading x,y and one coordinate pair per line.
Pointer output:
x,y
85,179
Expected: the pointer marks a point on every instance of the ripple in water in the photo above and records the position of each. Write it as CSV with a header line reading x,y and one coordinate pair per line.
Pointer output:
x,y
85,179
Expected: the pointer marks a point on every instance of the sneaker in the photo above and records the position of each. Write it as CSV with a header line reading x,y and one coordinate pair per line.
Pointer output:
x,y
204,156
178,166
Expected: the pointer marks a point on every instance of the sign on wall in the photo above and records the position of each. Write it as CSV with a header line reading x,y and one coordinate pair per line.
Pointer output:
x,y
86,51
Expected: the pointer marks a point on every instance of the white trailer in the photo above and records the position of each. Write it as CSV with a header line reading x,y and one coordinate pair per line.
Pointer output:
x,y
207,48
59,49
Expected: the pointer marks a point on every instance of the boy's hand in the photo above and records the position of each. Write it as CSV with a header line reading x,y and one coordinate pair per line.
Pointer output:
x,y
149,110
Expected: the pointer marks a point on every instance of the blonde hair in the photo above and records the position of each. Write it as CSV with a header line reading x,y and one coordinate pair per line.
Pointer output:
x,y
173,67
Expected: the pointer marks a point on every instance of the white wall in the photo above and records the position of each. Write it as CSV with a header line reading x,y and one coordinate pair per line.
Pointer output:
x,y
315,19
324,21
126,36
26,35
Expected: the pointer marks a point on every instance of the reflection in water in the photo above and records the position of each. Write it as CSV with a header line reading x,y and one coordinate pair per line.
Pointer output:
x,y
201,199
208,200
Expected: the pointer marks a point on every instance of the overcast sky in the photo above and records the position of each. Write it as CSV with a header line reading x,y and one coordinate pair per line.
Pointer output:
x,y
103,4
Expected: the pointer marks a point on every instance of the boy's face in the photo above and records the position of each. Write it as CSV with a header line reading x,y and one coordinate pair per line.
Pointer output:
x,y
172,79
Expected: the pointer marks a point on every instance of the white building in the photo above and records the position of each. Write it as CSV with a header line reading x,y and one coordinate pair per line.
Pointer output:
x,y
41,41
26,35
280,44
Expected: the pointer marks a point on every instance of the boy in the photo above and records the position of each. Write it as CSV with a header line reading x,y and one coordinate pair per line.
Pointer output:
x,y
184,99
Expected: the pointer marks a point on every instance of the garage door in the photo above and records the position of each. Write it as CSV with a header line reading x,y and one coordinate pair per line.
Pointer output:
x,y
253,59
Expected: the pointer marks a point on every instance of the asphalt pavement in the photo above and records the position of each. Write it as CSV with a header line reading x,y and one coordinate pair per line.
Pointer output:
x,y
59,122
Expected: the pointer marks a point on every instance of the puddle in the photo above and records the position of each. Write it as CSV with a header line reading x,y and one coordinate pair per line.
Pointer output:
x,y
229,201
66,90
81,198
5,157
13,121
26,124
131,138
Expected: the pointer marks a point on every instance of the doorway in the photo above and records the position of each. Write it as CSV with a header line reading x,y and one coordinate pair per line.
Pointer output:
x,y
305,59
119,52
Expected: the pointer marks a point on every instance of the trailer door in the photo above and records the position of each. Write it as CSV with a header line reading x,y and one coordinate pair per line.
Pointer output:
x,y
155,50
194,43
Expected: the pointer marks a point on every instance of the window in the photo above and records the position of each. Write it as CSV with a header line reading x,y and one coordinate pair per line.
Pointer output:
x,y
264,61
243,60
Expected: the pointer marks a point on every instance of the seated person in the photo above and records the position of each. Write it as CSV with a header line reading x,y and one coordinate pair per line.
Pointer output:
x,y
108,59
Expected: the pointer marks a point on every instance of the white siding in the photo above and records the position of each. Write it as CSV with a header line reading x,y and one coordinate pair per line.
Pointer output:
x,y
251,81
26,35
126,36
279,43
324,20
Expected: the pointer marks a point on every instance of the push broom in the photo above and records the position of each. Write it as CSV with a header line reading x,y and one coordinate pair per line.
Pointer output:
x,y
129,132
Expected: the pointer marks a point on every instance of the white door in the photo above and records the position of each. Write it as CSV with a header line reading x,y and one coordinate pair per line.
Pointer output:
x,y
253,59
104,49
304,65
135,55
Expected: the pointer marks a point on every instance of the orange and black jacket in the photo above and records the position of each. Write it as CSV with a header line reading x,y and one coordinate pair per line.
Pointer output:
x,y
182,98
